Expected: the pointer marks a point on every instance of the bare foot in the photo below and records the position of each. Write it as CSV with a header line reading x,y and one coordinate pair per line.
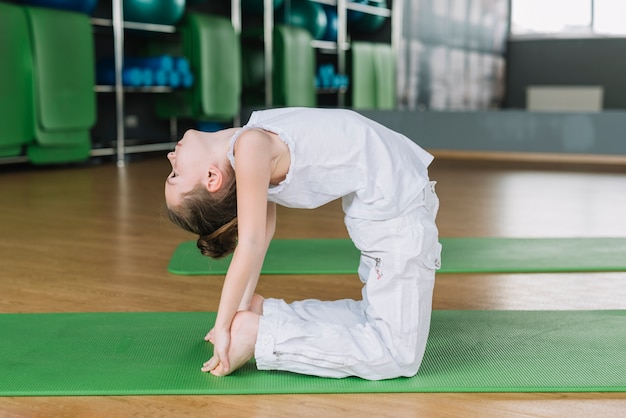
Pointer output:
x,y
257,304
243,333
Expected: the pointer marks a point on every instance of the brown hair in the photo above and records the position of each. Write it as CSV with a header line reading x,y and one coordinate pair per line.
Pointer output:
x,y
213,218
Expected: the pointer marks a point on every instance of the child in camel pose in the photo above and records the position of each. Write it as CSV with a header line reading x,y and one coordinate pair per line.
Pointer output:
x,y
224,187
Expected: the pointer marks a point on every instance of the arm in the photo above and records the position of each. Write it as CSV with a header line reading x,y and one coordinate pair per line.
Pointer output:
x,y
270,227
254,170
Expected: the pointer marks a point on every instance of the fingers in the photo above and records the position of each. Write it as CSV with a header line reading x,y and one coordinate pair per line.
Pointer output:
x,y
224,362
215,363
210,337
215,367
211,364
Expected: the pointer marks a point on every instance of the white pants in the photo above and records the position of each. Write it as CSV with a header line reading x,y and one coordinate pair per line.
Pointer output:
x,y
381,336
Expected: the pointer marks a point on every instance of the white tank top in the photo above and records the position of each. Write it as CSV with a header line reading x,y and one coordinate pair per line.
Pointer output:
x,y
337,153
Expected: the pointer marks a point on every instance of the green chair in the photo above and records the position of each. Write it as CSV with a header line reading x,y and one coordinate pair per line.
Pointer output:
x,y
65,104
293,81
16,99
212,47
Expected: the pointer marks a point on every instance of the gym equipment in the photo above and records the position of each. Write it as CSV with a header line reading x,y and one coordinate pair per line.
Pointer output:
x,y
304,14
159,62
363,76
64,75
147,353
63,52
327,77
38,154
81,6
373,75
294,67
162,12
210,126
460,255
212,48
384,68
354,15
16,82
368,22
160,70
182,64
332,23
132,77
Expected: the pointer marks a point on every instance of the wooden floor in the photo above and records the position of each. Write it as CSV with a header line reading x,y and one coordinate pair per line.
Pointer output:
x,y
96,239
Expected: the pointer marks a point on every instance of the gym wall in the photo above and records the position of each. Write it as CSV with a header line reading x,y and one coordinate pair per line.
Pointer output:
x,y
452,55
567,62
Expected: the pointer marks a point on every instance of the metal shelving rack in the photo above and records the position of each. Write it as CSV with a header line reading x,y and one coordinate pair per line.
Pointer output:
x,y
119,25
340,47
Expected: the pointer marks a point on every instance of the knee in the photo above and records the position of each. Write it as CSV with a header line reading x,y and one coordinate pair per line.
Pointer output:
x,y
410,368
409,357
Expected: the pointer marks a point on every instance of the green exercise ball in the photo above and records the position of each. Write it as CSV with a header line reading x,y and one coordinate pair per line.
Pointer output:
x,y
368,22
161,12
256,6
305,14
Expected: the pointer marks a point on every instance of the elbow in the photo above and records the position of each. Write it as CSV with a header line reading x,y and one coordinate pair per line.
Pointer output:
x,y
270,233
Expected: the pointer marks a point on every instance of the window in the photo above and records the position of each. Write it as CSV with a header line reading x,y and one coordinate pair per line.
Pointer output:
x,y
568,17
609,17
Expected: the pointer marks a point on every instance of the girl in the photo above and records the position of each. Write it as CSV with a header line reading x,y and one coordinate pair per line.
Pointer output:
x,y
224,187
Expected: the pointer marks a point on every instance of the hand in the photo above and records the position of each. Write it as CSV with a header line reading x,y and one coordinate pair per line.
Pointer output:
x,y
221,343
210,337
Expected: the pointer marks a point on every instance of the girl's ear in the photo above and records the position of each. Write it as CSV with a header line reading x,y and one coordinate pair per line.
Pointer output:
x,y
214,179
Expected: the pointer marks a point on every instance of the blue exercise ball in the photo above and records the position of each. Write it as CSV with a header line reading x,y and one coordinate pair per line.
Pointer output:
x,y
332,24
305,14
81,6
161,12
355,14
369,22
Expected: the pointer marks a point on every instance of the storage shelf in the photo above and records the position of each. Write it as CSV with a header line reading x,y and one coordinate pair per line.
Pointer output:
x,y
14,160
338,48
134,149
328,45
331,90
379,11
151,89
148,27
327,2
359,7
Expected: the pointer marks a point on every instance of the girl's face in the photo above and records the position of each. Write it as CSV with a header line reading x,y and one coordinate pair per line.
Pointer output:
x,y
190,165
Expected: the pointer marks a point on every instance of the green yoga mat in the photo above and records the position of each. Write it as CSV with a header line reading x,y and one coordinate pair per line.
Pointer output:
x,y
63,55
216,90
161,354
459,255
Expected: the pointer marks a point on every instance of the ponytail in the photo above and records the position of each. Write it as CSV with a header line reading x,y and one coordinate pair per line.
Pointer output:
x,y
212,218
221,242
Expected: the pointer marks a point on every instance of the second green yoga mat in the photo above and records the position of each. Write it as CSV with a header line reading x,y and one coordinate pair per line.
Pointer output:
x,y
459,255
161,354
